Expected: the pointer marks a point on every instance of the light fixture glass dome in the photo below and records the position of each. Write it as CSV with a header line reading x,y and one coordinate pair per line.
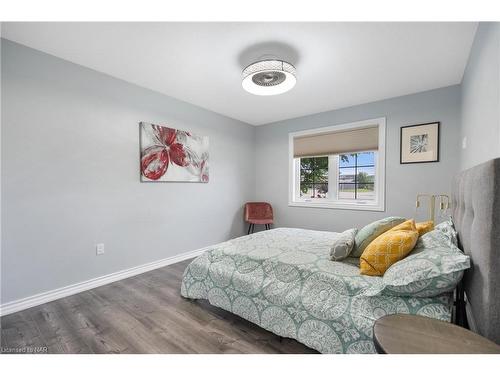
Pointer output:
x,y
269,77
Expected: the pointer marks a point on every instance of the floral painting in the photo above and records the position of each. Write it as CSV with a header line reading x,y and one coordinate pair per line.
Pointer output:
x,y
172,155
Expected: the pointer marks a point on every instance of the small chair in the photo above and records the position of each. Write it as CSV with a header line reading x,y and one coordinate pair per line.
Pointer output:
x,y
258,213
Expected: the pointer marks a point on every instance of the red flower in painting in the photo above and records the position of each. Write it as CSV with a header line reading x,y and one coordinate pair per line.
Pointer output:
x,y
156,159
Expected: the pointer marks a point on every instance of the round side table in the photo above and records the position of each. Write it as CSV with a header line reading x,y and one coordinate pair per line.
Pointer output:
x,y
413,334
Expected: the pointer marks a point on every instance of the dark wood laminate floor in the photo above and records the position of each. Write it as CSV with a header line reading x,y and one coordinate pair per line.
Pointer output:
x,y
141,314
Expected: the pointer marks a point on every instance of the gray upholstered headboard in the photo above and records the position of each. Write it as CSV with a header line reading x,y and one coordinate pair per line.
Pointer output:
x,y
476,214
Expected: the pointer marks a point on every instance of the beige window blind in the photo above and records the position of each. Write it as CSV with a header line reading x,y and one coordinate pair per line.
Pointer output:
x,y
340,142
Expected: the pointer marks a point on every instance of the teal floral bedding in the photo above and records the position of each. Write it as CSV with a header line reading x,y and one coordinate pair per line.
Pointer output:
x,y
284,281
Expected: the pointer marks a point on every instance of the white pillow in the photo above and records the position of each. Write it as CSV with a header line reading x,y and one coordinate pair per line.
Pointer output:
x,y
448,229
343,245
434,267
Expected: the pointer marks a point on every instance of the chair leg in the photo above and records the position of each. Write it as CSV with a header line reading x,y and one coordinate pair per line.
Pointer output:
x,y
249,227
253,228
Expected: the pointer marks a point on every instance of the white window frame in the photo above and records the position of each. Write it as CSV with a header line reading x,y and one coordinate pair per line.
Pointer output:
x,y
294,170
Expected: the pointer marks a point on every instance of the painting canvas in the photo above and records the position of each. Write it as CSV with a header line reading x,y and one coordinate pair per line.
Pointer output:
x,y
420,143
172,155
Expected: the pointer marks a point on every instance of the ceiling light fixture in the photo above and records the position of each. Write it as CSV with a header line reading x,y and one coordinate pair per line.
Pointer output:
x,y
269,77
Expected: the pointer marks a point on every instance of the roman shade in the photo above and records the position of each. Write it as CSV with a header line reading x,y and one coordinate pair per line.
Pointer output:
x,y
340,142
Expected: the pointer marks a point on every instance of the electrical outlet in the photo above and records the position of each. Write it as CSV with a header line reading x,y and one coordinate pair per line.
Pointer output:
x,y
464,142
99,249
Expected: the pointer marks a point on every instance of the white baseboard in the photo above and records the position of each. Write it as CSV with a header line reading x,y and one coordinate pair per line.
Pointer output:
x,y
41,298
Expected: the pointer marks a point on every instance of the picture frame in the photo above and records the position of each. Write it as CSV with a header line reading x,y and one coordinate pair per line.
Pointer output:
x,y
172,155
419,143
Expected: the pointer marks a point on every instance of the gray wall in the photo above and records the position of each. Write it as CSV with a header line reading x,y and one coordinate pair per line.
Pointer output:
x,y
70,177
481,98
403,182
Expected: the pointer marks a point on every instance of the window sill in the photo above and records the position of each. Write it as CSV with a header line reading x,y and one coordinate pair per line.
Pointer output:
x,y
338,206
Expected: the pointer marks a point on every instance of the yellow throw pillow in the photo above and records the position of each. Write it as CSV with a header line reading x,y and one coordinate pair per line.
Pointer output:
x,y
424,227
388,248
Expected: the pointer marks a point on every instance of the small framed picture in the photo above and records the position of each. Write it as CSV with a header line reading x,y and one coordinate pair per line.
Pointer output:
x,y
419,143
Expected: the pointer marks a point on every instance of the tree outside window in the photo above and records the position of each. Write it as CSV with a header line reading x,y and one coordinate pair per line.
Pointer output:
x,y
314,177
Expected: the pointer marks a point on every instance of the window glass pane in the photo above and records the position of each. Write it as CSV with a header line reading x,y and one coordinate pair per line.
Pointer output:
x,y
321,162
306,190
314,163
347,160
347,174
321,175
320,190
366,158
357,176
365,175
366,192
366,183
346,191
314,177
306,163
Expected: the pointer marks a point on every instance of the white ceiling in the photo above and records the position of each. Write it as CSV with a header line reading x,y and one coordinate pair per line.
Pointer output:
x,y
338,64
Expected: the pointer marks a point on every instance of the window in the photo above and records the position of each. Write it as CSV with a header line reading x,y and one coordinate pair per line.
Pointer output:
x,y
314,177
356,174
339,167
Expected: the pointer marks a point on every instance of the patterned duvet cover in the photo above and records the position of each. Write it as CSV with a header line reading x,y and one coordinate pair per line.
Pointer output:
x,y
284,281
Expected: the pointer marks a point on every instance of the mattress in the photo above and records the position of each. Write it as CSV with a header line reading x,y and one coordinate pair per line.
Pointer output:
x,y
284,281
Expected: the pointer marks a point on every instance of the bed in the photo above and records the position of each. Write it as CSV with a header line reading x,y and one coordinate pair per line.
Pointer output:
x,y
284,281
